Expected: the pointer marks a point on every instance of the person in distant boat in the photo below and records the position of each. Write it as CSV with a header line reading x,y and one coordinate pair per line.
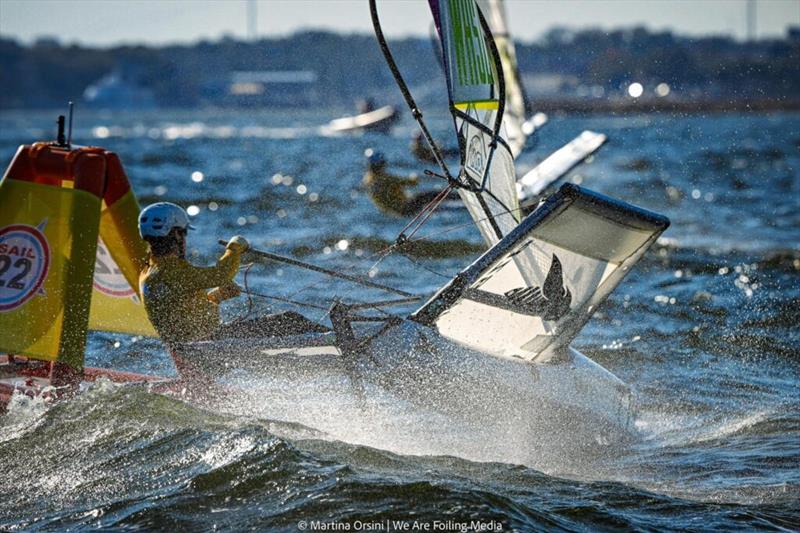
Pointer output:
x,y
388,191
423,152
182,300
365,105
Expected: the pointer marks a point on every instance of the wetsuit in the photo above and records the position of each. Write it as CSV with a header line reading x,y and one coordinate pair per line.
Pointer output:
x,y
176,296
177,299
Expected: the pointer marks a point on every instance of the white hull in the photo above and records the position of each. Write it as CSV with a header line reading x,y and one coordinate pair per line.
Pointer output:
x,y
556,166
380,119
571,390
416,364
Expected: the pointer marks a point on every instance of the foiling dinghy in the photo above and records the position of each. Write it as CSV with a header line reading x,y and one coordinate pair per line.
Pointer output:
x,y
498,335
494,339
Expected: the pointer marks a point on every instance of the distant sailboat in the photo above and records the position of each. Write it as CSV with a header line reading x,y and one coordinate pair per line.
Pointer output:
x,y
369,119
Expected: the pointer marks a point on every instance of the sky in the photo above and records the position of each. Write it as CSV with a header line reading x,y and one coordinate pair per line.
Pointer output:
x,y
110,22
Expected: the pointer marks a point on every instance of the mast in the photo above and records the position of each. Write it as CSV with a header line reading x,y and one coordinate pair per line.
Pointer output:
x,y
252,19
412,105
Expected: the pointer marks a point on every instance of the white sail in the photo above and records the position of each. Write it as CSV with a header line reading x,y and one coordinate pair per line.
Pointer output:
x,y
557,165
531,293
475,86
514,121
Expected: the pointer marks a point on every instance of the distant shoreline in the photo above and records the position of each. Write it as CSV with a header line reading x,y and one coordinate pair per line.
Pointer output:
x,y
545,105
603,107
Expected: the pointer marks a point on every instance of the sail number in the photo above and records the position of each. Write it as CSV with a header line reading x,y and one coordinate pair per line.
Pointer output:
x,y
24,264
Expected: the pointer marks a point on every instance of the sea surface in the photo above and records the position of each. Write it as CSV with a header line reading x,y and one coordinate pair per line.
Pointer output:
x,y
705,330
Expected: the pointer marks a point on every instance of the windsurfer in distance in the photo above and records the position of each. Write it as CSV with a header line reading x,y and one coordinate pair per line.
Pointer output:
x,y
388,191
182,300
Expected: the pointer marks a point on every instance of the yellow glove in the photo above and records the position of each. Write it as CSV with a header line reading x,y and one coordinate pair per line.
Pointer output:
x,y
238,244
224,292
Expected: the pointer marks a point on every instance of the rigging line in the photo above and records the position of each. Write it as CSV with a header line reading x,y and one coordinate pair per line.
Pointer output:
x,y
285,300
401,84
433,207
418,215
490,218
398,246
384,253
506,210
424,214
455,227
423,267
332,273
448,229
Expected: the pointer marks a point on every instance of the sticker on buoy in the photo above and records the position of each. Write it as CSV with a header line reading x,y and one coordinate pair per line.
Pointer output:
x,y
24,263
108,278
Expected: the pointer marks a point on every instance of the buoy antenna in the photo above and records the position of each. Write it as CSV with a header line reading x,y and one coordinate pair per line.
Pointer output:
x,y
60,140
69,130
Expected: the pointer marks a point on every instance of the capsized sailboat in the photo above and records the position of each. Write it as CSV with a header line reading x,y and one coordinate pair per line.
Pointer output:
x,y
502,327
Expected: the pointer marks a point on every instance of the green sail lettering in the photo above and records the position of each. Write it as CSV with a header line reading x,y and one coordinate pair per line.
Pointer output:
x,y
471,61
458,40
471,34
481,60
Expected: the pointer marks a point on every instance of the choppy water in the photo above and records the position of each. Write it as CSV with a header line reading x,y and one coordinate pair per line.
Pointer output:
x,y
705,330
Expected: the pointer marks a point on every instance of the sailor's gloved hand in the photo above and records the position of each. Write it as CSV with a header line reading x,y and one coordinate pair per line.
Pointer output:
x,y
224,292
238,244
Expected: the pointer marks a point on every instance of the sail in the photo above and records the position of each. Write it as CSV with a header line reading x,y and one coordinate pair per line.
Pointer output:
x,y
530,294
514,116
557,165
477,101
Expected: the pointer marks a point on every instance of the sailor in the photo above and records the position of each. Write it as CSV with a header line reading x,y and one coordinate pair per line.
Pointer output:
x,y
388,191
182,300
365,105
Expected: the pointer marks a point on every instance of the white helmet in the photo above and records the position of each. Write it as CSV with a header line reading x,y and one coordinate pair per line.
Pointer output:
x,y
159,219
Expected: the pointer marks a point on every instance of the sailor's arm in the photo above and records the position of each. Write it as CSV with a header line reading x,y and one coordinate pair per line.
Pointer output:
x,y
220,275
224,292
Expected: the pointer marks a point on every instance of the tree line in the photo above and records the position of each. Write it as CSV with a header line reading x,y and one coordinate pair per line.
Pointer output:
x,y
47,73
